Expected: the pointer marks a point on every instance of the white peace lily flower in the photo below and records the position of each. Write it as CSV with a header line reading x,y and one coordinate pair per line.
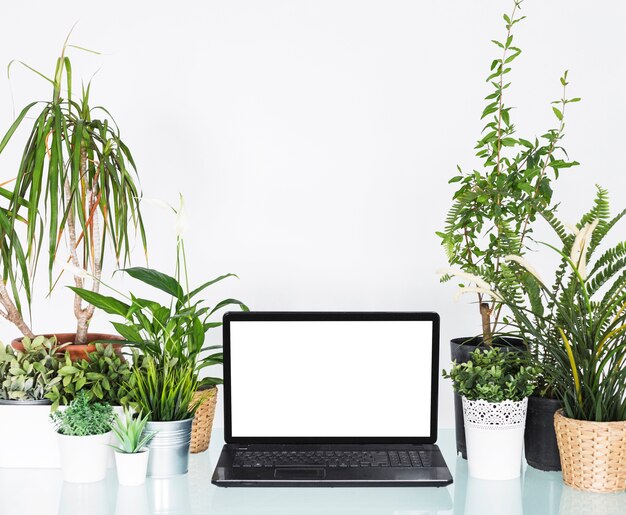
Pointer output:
x,y
580,246
529,268
455,272
182,222
156,202
484,291
76,271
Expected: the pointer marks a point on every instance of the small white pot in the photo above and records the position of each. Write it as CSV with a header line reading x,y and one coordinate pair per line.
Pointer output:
x,y
494,434
84,458
132,468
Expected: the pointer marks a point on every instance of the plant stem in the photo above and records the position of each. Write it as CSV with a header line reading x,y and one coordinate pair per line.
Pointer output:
x,y
12,314
485,313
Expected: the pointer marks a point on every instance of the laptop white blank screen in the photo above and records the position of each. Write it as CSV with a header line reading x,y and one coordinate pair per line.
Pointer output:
x,y
331,378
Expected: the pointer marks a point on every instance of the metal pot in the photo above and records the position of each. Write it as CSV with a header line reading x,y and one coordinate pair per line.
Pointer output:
x,y
28,402
169,449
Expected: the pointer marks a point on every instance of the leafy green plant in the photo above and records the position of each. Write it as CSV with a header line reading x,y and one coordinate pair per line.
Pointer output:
x,y
165,332
578,324
163,390
494,375
494,207
101,376
31,374
82,418
131,434
76,182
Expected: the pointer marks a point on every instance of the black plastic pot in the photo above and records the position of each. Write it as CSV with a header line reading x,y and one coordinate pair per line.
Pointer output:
x,y
460,350
540,445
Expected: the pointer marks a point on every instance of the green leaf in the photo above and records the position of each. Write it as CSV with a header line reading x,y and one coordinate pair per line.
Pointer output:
x,y
105,303
158,280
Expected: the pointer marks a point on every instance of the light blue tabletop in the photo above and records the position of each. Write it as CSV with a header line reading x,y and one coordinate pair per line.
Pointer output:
x,y
42,492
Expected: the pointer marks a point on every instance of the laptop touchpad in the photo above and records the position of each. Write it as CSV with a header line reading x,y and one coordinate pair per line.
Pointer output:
x,y
299,473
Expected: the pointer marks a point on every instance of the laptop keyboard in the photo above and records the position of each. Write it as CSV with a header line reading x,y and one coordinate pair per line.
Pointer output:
x,y
332,459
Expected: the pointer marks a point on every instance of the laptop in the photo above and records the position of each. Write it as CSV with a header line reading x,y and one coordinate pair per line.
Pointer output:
x,y
331,399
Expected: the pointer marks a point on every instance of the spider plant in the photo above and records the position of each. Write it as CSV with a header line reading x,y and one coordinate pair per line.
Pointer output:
x,y
578,325
130,433
76,183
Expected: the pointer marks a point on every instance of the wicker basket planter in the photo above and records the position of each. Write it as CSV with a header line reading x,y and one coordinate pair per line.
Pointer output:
x,y
593,454
203,421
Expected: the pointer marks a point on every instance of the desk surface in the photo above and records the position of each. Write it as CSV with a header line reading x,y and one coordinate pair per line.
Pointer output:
x,y
42,492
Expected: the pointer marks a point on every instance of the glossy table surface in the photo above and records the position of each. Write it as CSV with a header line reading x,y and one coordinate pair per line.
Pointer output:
x,y
42,492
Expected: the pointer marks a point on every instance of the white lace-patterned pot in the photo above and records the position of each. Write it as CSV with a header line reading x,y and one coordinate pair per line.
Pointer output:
x,y
495,437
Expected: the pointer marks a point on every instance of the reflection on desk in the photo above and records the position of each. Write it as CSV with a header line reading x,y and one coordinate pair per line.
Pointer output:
x,y
42,492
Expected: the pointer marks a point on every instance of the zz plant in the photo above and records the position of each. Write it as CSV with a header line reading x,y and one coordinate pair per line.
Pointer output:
x,y
494,375
76,183
495,206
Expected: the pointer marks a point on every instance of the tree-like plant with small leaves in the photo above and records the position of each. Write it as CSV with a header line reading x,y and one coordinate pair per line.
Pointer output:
x,y
82,418
494,375
495,206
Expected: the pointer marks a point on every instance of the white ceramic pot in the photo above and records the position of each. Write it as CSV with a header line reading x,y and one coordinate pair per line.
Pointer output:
x,y
28,429
494,435
84,458
132,468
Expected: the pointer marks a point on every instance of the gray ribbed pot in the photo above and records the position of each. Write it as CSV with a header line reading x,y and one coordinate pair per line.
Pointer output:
x,y
169,449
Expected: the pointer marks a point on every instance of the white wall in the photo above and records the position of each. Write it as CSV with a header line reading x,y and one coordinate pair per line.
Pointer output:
x,y
313,140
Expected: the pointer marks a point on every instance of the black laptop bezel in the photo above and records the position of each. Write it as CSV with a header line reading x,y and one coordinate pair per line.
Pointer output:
x,y
307,316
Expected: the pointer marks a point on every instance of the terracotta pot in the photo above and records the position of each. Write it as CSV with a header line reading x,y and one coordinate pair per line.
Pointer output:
x,y
77,351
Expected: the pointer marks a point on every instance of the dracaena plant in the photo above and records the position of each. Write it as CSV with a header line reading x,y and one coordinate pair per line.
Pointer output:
x,y
176,330
577,324
76,183
496,205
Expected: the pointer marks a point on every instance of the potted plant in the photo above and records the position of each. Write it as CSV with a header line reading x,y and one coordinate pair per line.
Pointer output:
x,y
176,329
495,206
76,183
580,325
494,386
26,379
163,390
131,453
84,431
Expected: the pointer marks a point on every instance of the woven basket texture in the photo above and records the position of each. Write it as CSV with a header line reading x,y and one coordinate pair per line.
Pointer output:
x,y
593,454
203,421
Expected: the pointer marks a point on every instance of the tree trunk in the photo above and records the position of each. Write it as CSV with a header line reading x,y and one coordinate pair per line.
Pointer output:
x,y
485,313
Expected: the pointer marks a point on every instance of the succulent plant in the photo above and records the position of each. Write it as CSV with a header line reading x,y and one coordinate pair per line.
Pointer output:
x,y
30,374
101,377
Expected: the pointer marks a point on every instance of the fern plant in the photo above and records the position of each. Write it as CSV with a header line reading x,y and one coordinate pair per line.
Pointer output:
x,y
577,326
494,207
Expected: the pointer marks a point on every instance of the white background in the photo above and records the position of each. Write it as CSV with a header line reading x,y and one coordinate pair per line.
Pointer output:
x,y
331,378
313,140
